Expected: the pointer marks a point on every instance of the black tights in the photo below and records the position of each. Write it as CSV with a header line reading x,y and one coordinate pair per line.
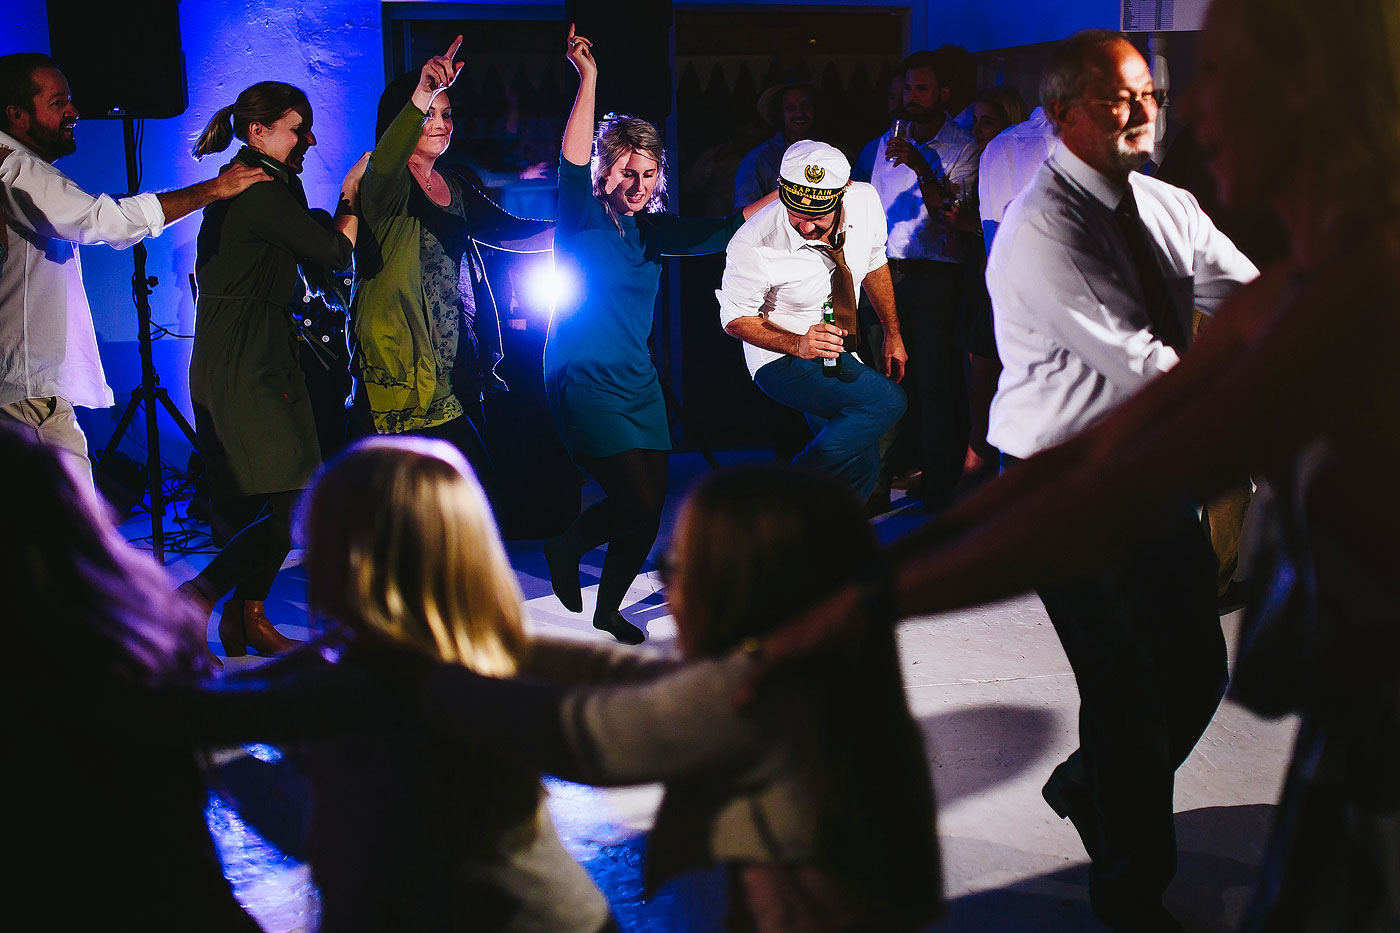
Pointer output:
x,y
250,561
627,520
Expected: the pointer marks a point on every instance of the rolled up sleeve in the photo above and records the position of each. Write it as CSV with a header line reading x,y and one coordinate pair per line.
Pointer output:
x,y
52,205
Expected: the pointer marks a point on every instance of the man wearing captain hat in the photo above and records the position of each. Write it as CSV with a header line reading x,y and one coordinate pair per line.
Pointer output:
x,y
823,237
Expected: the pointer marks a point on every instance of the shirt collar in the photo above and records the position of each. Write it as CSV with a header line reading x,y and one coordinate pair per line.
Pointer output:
x,y
1104,189
10,142
795,240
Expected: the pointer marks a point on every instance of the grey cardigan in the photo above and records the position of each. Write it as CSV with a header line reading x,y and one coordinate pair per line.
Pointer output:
x,y
825,766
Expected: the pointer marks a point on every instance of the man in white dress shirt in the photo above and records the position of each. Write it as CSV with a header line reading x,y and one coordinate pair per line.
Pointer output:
x,y
915,177
1093,277
1008,164
48,347
823,238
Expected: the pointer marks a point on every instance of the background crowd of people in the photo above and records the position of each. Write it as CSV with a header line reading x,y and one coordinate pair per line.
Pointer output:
x,y
1026,288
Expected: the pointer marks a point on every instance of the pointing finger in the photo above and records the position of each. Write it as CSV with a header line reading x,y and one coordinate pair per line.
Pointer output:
x,y
452,49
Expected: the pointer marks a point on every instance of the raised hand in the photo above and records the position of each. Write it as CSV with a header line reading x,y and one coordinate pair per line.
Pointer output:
x,y
900,151
578,131
437,76
580,53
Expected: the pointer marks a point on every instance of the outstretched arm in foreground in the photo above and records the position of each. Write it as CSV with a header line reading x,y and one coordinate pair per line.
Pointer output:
x,y
1268,376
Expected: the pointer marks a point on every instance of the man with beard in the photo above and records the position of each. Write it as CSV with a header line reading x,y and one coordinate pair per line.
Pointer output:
x,y
48,346
915,177
1093,277
791,109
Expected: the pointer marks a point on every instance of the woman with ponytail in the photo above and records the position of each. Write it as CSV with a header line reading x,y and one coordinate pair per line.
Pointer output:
x,y
602,386
252,412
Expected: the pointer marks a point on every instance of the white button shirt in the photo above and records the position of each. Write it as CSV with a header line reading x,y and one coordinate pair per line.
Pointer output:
x,y
952,152
770,271
1071,324
48,345
1010,161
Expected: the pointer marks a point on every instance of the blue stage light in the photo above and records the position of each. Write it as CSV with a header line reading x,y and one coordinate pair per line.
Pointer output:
x,y
544,286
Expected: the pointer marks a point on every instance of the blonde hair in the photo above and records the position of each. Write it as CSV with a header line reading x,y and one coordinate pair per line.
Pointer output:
x,y
400,542
1347,54
617,137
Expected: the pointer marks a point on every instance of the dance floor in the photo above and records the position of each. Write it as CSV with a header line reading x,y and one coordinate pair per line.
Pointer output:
x,y
998,705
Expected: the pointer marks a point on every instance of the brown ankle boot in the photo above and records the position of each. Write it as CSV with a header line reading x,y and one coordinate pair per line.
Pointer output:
x,y
260,634
243,624
231,629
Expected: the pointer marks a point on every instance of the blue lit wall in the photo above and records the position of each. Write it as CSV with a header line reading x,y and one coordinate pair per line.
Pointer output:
x,y
332,49
994,24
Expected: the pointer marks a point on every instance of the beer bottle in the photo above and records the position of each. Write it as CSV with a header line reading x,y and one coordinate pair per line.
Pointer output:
x,y
831,366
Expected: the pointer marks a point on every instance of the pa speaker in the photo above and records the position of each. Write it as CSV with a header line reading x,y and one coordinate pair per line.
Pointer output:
x,y
632,40
121,59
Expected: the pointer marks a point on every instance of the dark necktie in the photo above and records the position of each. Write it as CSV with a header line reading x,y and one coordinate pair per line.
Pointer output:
x,y
1161,313
843,290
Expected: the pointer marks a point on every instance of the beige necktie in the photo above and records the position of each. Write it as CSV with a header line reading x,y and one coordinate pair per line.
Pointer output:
x,y
843,289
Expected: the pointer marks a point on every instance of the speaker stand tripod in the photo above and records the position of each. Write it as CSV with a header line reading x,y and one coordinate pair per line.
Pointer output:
x,y
150,394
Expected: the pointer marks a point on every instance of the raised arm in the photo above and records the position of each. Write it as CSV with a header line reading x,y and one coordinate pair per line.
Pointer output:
x,y
383,187
437,76
578,132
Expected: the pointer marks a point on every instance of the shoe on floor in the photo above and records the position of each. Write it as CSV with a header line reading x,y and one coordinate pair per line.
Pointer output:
x,y
615,625
563,575
1073,801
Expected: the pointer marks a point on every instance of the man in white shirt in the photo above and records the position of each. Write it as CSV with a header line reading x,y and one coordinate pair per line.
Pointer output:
x,y
915,178
1008,164
48,347
1093,277
823,237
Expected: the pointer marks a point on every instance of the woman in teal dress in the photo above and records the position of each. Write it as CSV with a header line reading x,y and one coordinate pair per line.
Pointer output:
x,y
603,392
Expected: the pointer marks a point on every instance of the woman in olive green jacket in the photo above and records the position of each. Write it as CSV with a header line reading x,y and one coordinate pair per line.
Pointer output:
x,y
427,347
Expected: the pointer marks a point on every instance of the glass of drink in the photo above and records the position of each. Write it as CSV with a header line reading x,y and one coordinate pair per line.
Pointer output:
x,y
899,129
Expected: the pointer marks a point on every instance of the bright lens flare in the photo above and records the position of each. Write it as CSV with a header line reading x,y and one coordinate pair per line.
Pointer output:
x,y
547,286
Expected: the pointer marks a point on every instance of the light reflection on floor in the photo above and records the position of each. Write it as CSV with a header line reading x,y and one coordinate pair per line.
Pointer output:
x,y
277,889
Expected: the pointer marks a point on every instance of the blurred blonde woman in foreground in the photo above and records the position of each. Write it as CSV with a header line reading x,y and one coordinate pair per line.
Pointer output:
x,y
411,829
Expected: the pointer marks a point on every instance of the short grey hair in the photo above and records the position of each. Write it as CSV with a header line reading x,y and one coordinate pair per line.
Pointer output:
x,y
1070,63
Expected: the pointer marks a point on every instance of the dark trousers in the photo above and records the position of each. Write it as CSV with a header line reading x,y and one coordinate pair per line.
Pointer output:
x,y
1148,655
249,562
928,296
627,520
1144,641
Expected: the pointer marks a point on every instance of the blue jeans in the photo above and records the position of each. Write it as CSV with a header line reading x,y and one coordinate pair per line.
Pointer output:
x,y
848,415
